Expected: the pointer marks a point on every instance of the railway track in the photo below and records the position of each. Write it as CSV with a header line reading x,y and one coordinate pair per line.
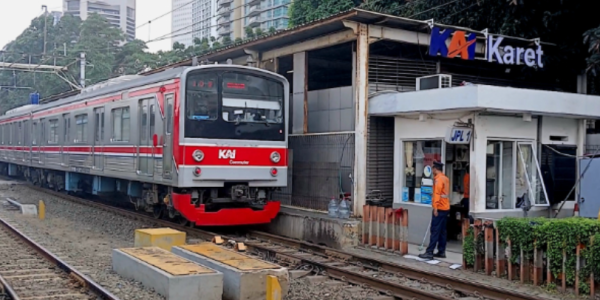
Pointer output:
x,y
28,271
398,281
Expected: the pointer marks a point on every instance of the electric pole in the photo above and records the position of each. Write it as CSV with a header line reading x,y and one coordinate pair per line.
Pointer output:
x,y
82,70
45,8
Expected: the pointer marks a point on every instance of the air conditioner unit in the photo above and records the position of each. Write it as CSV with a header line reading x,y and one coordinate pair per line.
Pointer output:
x,y
438,81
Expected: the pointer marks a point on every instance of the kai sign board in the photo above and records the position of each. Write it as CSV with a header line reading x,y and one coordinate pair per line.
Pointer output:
x,y
452,43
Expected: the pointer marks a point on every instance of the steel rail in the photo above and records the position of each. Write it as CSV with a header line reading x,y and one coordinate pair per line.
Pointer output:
x,y
76,275
399,291
6,288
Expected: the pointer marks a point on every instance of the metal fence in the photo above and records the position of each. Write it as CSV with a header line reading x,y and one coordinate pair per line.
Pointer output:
x,y
319,169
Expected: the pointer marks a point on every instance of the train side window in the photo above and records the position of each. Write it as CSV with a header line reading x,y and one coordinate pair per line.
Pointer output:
x,y
121,123
152,120
53,136
169,113
10,130
34,133
81,128
26,132
99,124
66,128
42,131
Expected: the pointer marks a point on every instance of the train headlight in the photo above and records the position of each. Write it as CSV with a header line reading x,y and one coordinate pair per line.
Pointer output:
x,y
275,157
198,155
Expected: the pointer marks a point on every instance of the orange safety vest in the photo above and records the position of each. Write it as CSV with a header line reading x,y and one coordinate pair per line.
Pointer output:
x,y
441,190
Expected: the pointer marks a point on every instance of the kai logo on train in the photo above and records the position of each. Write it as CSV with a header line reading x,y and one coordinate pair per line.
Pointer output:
x,y
226,154
464,44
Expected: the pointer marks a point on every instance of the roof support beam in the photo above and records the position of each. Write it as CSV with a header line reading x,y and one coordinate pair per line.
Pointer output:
x,y
361,107
377,33
313,44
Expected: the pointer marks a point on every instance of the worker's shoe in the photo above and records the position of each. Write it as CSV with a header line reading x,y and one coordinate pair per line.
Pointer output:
x,y
426,256
440,255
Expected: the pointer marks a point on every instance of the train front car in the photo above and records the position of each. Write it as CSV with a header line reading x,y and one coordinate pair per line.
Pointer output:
x,y
231,152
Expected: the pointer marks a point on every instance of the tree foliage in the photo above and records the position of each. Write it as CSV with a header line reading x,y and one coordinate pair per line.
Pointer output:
x,y
563,23
107,56
304,11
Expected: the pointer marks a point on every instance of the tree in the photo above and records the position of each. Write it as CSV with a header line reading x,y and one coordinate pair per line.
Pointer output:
x,y
197,41
272,30
226,41
258,32
249,33
178,46
238,40
304,11
216,45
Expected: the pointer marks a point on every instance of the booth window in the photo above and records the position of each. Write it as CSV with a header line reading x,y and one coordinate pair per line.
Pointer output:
x,y
417,155
513,176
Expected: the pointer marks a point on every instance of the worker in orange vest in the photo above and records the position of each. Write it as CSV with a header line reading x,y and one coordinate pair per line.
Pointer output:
x,y
441,209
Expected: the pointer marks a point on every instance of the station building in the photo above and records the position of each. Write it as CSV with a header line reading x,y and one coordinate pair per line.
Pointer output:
x,y
375,99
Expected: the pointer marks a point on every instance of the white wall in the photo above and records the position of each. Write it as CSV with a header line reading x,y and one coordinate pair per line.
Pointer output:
x,y
559,127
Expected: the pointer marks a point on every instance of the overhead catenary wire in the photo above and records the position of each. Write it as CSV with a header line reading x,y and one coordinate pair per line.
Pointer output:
x,y
433,8
165,14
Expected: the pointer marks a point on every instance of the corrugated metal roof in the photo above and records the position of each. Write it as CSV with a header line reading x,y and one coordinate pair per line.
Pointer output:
x,y
317,28
239,47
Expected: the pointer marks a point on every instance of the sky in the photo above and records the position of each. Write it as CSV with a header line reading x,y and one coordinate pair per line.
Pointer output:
x,y
17,17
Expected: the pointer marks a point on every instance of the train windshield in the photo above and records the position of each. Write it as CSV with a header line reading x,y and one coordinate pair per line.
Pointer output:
x,y
234,105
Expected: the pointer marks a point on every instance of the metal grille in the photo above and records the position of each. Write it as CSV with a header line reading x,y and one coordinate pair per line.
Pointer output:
x,y
391,73
380,152
319,169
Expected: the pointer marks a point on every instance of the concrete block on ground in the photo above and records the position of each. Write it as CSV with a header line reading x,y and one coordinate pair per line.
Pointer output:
x,y
25,209
164,238
169,275
244,277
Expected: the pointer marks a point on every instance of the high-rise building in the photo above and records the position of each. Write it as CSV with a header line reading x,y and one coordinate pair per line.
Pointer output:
x,y
56,15
181,22
204,13
229,19
266,14
119,13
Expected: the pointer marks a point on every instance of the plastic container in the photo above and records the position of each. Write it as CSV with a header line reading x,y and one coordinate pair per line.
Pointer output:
x,y
332,208
344,210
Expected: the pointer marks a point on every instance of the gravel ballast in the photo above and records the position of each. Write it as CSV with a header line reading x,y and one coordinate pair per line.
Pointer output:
x,y
85,236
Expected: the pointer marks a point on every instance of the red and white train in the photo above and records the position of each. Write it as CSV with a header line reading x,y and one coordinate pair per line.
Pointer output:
x,y
205,144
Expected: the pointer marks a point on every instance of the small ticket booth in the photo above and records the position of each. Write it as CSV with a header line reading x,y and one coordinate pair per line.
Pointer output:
x,y
493,143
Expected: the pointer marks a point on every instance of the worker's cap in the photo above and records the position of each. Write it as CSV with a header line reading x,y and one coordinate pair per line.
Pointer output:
x,y
438,165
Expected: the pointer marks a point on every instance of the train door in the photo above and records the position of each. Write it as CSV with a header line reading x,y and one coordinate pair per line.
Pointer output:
x,y
168,137
98,144
145,151
64,153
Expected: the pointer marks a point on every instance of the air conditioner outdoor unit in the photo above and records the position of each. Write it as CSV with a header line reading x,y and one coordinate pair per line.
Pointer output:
x,y
438,81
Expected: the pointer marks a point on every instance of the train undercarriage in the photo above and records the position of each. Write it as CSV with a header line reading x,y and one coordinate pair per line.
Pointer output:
x,y
234,204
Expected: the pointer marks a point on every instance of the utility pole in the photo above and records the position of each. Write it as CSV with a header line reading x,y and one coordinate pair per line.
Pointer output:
x,y
82,71
45,8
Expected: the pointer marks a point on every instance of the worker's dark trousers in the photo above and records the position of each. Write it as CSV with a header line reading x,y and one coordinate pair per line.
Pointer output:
x,y
438,232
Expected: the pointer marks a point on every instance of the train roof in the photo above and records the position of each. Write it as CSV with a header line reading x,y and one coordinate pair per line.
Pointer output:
x,y
108,87
112,86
